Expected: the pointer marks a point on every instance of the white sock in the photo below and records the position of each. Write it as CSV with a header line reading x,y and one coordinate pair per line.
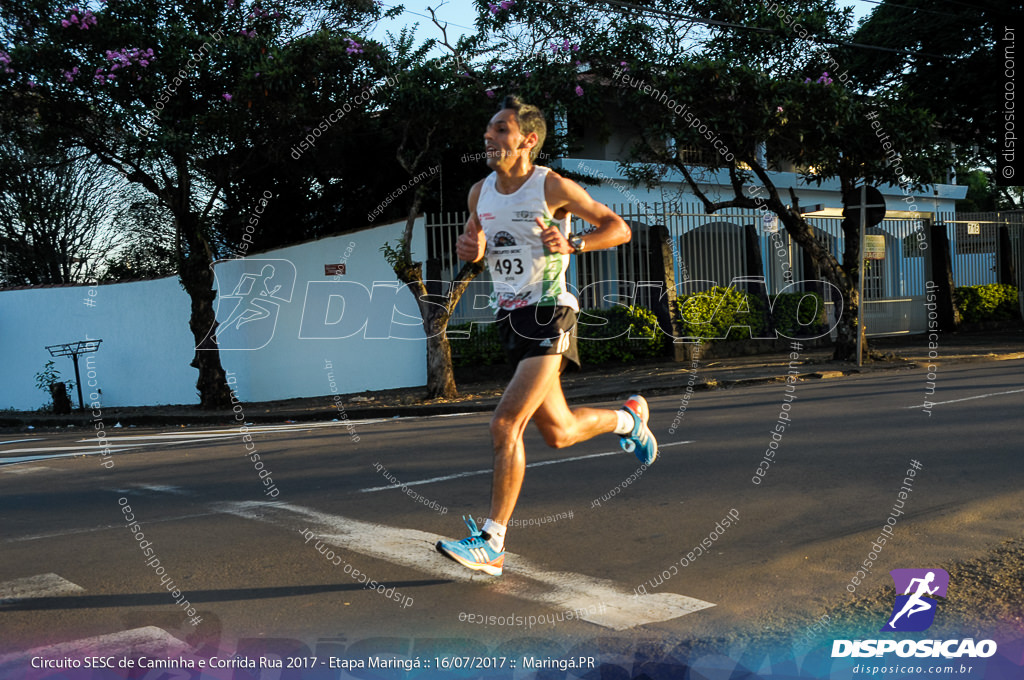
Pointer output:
x,y
625,425
497,533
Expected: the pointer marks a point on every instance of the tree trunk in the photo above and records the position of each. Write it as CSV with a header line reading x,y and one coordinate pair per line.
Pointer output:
x,y
196,273
845,348
440,377
853,260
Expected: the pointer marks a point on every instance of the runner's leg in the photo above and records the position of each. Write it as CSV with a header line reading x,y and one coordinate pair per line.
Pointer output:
x,y
534,379
562,426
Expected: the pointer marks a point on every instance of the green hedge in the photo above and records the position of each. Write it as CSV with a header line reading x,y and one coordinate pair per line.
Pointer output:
x,y
787,306
713,313
623,334
993,302
617,334
481,348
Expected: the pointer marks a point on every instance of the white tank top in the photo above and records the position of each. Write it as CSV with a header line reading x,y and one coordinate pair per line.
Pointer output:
x,y
522,270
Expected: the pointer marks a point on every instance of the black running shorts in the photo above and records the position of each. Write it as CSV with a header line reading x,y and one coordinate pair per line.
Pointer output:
x,y
536,331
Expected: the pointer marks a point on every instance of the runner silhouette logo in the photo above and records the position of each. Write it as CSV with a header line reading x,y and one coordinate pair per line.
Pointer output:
x,y
914,609
247,316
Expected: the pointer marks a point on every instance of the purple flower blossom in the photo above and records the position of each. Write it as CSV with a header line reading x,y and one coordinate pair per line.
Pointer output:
x,y
32,84
579,91
227,96
575,47
101,79
490,93
494,67
529,73
86,20
353,47
494,9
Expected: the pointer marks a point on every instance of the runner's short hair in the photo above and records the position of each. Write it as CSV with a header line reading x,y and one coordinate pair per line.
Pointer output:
x,y
530,119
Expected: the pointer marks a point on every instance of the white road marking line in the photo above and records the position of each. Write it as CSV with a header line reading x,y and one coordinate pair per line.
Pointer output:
x,y
164,488
19,441
86,447
105,527
174,438
13,470
40,585
96,446
224,433
83,452
458,475
150,641
980,396
617,609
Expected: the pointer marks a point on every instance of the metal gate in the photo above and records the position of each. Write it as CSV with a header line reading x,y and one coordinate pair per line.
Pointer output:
x,y
714,249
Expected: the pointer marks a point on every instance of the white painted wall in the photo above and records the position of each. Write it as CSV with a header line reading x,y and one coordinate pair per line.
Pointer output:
x,y
147,346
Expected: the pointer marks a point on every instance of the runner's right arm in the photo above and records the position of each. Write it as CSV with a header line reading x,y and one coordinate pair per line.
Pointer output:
x,y
472,243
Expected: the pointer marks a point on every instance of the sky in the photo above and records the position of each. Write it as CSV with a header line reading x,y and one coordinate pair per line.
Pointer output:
x,y
459,15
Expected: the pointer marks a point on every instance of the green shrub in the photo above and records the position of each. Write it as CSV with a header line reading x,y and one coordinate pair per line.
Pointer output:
x,y
619,334
992,302
787,306
481,348
714,313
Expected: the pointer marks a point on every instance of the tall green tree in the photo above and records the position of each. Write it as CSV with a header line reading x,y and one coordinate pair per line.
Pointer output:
x,y
733,103
184,98
947,58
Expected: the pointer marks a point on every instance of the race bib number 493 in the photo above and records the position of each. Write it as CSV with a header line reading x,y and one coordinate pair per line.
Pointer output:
x,y
508,264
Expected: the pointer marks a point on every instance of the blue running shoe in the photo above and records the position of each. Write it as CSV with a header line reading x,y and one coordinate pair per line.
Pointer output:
x,y
474,551
641,440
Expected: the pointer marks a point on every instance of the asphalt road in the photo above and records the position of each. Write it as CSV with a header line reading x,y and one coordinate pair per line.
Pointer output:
x,y
243,561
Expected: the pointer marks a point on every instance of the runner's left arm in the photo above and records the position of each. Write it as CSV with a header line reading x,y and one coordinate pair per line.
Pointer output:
x,y
565,196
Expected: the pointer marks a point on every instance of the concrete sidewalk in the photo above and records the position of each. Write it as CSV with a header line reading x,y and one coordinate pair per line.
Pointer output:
x,y
594,383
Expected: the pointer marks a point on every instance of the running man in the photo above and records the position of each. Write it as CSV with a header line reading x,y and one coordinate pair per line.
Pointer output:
x,y
519,219
914,603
